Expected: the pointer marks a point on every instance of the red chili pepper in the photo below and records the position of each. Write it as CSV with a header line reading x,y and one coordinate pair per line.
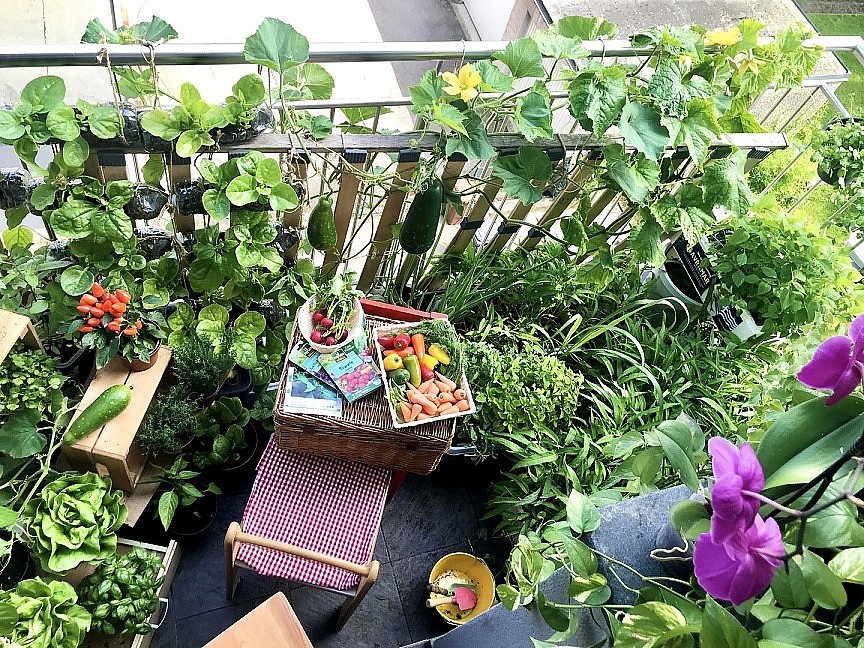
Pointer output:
x,y
130,331
84,310
94,322
88,300
86,329
95,311
123,296
118,308
386,342
97,290
113,326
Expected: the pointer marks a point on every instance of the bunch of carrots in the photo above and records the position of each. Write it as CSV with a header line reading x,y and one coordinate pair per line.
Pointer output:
x,y
434,397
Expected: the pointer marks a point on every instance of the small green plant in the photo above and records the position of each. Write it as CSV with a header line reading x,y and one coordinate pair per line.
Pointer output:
x,y
42,615
180,491
200,364
839,151
27,380
170,423
123,592
220,427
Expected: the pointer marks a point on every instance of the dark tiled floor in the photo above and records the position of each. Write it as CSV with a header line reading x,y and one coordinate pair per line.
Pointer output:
x,y
429,517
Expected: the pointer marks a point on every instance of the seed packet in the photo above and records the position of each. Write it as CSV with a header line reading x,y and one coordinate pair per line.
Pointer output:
x,y
354,377
307,395
308,359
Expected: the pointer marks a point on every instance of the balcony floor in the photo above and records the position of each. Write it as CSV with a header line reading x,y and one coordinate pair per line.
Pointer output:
x,y
429,517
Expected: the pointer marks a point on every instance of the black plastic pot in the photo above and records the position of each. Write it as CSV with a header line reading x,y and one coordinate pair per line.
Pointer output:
x,y
242,462
233,134
831,178
151,143
18,566
187,198
238,384
76,363
287,238
193,520
153,242
147,202
14,185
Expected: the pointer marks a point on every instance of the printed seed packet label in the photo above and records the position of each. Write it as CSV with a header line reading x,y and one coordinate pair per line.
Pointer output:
x,y
308,359
307,395
354,377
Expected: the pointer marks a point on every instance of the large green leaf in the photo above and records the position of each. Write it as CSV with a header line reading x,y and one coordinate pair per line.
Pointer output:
x,y
789,633
520,172
559,46
523,58
103,121
72,219
449,116
723,184
250,323
824,587
585,27
637,179
494,80
848,565
17,236
283,197
533,116
154,31
647,624
189,143
44,93
76,152
76,280
641,128
159,123
113,224
20,436
62,123
167,507
582,514
11,126
276,45
698,129
475,145
312,80
722,630
597,96
645,240
242,190
427,92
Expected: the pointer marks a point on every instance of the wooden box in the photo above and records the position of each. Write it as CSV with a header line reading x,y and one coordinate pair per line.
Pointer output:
x,y
14,327
112,450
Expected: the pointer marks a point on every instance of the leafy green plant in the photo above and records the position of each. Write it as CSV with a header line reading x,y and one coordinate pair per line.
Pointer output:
x,y
200,364
96,210
42,615
27,380
838,151
25,276
73,519
221,430
180,491
123,592
190,123
170,423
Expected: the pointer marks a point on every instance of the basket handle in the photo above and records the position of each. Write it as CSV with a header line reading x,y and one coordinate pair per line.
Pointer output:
x,y
162,602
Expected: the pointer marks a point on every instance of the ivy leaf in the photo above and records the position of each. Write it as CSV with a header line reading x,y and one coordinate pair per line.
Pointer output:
x,y
645,240
597,96
475,145
20,436
523,58
645,623
789,633
582,514
558,46
641,128
585,27
533,116
848,565
520,171
635,180
427,92
276,45
494,80
449,116
723,184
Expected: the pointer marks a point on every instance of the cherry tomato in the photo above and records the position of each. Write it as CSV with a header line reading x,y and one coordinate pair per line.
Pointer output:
x,y
88,300
97,290
86,329
123,296
95,311
84,310
130,331
401,341
138,325
94,321
113,326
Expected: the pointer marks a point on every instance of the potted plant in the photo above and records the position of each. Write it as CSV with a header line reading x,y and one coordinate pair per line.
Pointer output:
x,y
41,614
73,519
227,441
28,378
115,327
182,488
333,317
202,365
170,423
838,151
122,594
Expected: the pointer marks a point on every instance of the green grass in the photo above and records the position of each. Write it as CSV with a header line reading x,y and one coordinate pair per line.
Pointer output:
x,y
851,93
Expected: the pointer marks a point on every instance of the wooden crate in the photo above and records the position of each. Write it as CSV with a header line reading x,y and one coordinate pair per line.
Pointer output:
x,y
112,450
170,560
15,327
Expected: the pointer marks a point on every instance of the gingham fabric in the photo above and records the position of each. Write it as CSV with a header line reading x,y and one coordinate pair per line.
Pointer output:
x,y
326,505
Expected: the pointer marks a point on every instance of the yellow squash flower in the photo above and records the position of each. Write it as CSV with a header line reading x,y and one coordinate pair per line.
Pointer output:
x,y
724,38
464,85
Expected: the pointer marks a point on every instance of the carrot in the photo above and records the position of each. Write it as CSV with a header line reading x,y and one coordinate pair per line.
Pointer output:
x,y
432,390
419,345
447,397
446,380
451,409
441,407
428,406
443,387
463,406
423,417
460,394
415,410
406,412
424,387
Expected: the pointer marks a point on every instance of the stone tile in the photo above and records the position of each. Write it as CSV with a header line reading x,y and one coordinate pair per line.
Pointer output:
x,y
428,512
377,623
195,631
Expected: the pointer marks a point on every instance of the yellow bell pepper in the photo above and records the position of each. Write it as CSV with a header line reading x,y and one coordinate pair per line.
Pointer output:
x,y
438,353
393,362
429,361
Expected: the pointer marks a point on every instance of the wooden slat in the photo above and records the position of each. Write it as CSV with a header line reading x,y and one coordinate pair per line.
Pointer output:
x,y
349,184
113,163
15,327
294,218
273,623
180,170
389,215
507,232
475,216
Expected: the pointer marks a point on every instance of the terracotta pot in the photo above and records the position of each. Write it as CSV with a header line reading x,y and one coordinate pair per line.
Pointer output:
x,y
139,365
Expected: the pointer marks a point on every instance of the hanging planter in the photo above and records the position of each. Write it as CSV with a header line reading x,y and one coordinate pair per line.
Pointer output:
x,y
838,150
147,202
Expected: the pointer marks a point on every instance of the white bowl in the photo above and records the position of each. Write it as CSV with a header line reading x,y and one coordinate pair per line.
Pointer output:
x,y
304,321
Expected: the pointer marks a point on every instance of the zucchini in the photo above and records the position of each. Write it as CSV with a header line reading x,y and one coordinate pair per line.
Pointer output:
x,y
321,230
107,405
418,232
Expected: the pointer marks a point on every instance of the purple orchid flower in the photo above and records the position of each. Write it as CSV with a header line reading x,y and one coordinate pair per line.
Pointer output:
x,y
838,363
742,566
738,474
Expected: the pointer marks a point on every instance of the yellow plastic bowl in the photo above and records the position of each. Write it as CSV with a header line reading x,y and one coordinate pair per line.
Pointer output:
x,y
463,568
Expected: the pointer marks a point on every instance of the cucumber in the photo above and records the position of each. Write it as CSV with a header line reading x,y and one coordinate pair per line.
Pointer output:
x,y
418,232
106,406
321,230
802,426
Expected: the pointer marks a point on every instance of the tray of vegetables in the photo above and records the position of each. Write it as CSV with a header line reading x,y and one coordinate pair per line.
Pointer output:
x,y
425,377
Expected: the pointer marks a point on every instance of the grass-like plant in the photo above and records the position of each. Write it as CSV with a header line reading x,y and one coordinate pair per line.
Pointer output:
x,y
200,365
170,423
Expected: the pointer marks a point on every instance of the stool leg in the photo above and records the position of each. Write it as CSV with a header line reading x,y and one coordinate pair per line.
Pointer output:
x,y
231,577
363,588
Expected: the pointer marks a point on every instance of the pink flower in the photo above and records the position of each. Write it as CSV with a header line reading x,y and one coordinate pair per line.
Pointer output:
x,y
742,566
736,471
837,364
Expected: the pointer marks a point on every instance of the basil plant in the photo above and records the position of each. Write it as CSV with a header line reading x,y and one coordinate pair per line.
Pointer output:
x,y
37,614
74,519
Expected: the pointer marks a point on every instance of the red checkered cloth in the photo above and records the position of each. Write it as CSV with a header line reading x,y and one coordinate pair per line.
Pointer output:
x,y
326,505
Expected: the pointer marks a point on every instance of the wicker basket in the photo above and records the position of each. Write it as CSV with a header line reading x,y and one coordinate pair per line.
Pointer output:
x,y
364,432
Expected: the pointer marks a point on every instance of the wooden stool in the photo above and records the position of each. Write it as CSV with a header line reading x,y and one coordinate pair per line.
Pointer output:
x,y
272,624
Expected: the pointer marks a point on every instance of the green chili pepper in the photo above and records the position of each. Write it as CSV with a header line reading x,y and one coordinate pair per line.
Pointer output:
x,y
399,376
413,366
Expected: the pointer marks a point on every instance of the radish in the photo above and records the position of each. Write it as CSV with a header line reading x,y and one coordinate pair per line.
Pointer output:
x,y
315,336
317,316
344,336
330,341
326,322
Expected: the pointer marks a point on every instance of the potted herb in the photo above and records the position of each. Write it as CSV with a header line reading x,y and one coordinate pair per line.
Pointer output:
x,y
183,488
42,615
838,151
115,327
73,519
122,594
228,442
202,365
170,423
